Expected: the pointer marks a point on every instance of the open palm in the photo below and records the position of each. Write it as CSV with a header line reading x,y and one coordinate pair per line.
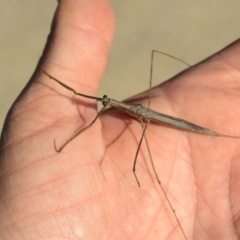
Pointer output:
x,y
88,191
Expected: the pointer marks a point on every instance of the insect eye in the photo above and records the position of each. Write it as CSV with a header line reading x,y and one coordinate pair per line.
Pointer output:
x,y
105,100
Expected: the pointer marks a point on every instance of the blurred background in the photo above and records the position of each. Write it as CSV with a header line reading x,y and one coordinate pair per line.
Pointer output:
x,y
190,30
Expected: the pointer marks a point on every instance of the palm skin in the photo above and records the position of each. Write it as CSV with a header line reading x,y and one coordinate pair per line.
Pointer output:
x,y
88,191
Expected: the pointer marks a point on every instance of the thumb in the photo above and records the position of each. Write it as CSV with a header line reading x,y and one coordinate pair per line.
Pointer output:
x,y
76,52
79,42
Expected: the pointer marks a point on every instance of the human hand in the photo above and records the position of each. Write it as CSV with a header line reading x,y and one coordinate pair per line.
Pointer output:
x,y
88,191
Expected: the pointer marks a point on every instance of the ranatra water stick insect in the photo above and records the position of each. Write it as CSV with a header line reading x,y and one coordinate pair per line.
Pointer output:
x,y
145,116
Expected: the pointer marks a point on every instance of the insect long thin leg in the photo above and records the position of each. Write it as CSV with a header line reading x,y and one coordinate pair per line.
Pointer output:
x,y
151,70
150,80
163,190
78,133
171,56
69,88
136,155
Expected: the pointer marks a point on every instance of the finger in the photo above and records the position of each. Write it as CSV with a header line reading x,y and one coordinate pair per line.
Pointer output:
x,y
76,52
79,43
